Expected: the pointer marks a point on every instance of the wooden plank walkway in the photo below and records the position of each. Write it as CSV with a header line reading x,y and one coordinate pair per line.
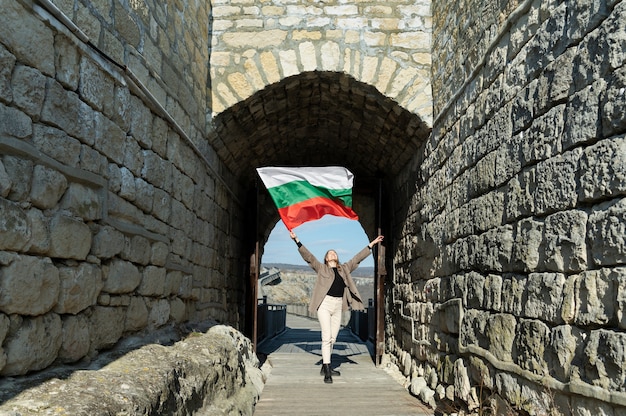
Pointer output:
x,y
295,386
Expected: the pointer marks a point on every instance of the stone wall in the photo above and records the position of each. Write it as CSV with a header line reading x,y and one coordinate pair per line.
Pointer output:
x,y
113,220
122,207
258,43
509,280
208,372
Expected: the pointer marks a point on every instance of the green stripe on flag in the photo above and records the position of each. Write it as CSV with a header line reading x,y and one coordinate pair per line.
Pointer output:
x,y
297,191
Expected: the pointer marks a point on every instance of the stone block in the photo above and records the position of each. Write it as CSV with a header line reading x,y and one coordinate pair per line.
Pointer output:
x,y
186,290
614,101
152,282
133,155
565,348
500,331
110,140
27,37
120,277
544,296
69,238
95,87
519,198
541,140
64,110
474,295
137,250
493,249
493,292
57,144
462,384
126,26
529,348
128,187
67,62
473,329
581,113
136,314
527,246
87,21
92,160
513,294
605,232
555,183
33,345
15,228
595,296
159,313
144,196
48,187
5,181
7,62
565,248
79,288
83,201
76,339
107,243
161,206
178,310
14,122
603,169
159,254
28,86
106,325
28,285
121,109
604,358
39,231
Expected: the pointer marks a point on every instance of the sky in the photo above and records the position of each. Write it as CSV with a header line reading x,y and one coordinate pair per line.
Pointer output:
x,y
344,236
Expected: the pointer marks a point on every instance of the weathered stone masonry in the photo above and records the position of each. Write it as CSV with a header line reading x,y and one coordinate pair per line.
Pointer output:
x,y
509,273
129,135
113,219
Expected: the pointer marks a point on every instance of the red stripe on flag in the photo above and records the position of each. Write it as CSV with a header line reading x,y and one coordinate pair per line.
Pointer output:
x,y
314,209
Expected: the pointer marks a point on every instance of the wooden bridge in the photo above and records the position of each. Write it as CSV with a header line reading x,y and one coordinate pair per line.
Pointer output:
x,y
295,386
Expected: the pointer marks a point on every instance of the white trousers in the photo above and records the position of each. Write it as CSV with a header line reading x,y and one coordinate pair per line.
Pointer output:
x,y
329,315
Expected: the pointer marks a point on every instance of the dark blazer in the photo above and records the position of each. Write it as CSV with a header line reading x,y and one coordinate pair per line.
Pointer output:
x,y
326,275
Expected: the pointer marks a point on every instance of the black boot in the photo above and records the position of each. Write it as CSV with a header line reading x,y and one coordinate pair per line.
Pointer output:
x,y
328,377
333,372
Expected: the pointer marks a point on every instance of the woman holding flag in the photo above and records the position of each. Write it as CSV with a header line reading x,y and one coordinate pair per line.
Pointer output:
x,y
333,293
304,194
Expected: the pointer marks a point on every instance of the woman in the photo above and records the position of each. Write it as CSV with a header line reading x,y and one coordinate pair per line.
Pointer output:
x,y
333,293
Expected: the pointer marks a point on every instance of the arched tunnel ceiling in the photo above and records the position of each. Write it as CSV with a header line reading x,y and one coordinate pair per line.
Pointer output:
x,y
318,119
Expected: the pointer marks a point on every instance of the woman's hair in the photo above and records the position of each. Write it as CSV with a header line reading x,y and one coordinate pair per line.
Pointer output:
x,y
326,256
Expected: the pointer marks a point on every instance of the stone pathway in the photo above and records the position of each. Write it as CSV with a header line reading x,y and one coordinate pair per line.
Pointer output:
x,y
295,386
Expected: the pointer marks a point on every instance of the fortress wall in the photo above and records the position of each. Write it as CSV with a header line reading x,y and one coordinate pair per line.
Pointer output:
x,y
113,220
510,264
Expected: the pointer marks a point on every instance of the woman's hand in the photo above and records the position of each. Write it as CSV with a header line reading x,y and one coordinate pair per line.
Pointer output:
x,y
376,241
292,235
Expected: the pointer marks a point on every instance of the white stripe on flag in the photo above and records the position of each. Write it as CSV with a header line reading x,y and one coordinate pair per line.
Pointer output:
x,y
330,177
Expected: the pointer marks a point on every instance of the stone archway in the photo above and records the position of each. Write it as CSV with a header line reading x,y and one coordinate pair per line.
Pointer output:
x,y
316,119
257,44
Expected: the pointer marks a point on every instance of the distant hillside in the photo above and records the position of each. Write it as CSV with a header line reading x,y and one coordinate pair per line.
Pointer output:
x,y
359,272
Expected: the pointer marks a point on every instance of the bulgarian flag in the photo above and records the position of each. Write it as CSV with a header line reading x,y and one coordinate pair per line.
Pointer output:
x,y
307,194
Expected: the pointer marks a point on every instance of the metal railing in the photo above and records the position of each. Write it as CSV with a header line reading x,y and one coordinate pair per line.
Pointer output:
x,y
362,323
271,319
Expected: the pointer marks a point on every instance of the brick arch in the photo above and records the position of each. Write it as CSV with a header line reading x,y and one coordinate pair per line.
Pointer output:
x,y
258,43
